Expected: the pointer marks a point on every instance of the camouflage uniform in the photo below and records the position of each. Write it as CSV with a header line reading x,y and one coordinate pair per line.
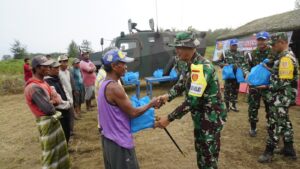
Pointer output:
x,y
180,66
255,94
208,112
231,87
282,95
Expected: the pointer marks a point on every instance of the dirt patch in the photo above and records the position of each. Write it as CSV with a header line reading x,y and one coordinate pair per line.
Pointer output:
x,y
20,147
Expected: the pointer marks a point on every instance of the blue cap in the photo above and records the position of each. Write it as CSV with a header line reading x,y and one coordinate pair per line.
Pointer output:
x,y
233,42
262,35
115,55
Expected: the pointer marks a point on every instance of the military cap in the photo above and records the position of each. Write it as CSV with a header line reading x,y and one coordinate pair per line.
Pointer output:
x,y
278,36
186,39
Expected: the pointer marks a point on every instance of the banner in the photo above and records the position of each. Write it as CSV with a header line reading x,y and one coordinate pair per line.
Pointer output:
x,y
246,43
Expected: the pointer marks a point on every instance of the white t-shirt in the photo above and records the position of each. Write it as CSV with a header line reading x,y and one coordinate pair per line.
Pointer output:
x,y
65,79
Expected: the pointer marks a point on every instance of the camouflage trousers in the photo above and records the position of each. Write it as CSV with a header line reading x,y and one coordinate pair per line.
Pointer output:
x,y
231,90
207,132
279,123
254,98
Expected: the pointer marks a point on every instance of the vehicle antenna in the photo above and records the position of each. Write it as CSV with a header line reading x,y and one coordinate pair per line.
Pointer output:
x,y
156,15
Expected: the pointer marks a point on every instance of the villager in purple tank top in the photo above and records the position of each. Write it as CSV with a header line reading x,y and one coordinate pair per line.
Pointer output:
x,y
114,122
115,111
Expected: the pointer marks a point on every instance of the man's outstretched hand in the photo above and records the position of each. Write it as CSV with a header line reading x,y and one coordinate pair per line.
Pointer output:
x,y
156,103
163,99
161,122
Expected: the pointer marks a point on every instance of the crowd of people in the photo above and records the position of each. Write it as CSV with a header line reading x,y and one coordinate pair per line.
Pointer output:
x,y
56,92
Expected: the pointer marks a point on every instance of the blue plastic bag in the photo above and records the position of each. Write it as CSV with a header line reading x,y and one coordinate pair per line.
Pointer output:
x,y
134,101
227,72
173,73
266,61
239,75
144,100
131,77
145,120
158,73
259,75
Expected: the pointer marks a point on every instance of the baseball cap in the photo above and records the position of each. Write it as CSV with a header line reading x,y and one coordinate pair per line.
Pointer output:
x,y
84,51
233,42
62,57
115,55
55,64
40,60
262,35
75,61
185,39
278,36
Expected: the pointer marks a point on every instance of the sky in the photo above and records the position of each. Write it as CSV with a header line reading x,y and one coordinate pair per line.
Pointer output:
x,y
46,26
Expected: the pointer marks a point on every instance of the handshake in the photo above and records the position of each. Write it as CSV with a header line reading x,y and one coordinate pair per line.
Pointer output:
x,y
159,101
160,122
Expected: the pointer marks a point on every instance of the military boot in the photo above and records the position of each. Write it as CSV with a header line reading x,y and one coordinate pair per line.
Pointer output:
x,y
234,107
252,131
267,156
227,107
288,151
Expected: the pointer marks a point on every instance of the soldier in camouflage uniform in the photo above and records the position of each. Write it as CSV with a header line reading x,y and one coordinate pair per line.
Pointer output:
x,y
283,91
231,87
180,65
207,110
258,55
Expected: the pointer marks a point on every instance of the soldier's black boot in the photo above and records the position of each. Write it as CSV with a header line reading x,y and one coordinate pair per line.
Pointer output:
x,y
288,151
234,107
227,107
252,131
267,156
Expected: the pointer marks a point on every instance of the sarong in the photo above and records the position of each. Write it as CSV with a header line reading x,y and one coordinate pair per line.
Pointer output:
x,y
54,146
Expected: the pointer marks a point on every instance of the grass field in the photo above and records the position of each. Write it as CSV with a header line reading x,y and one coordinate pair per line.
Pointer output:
x,y
11,67
11,76
20,148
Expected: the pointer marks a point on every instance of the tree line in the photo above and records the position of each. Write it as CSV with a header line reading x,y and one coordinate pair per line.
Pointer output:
x,y
19,50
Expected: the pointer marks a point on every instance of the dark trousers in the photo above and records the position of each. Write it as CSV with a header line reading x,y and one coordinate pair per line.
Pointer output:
x,y
117,157
65,123
71,119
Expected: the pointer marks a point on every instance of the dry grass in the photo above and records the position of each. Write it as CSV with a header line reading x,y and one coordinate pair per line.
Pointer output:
x,y
20,146
11,84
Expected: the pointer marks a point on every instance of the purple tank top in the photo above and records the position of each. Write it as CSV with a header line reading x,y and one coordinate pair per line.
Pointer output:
x,y
114,122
